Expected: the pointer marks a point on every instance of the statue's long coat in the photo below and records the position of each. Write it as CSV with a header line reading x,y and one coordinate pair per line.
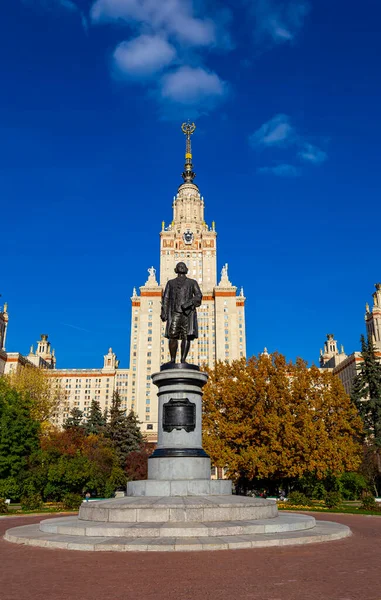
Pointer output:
x,y
189,291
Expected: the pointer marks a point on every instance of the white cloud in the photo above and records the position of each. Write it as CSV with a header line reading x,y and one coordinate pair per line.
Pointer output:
x,y
143,56
191,86
169,32
282,170
276,132
280,134
278,21
312,154
172,17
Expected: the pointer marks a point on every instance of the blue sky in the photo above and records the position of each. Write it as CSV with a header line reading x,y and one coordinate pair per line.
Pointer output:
x,y
286,99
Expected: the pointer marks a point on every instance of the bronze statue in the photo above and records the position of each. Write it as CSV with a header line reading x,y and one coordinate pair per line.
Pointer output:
x,y
181,298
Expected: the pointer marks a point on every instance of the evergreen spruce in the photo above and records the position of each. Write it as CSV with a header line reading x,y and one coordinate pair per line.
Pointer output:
x,y
123,431
366,393
96,421
74,420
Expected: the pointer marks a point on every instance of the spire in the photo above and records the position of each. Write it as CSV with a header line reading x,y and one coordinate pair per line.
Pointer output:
x,y
188,174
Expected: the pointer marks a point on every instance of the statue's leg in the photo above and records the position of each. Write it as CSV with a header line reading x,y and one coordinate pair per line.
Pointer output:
x,y
185,345
173,343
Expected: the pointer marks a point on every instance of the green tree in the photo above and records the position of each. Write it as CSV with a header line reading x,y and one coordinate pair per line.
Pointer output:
x,y
366,392
96,421
75,419
71,462
271,419
45,395
19,432
123,430
366,395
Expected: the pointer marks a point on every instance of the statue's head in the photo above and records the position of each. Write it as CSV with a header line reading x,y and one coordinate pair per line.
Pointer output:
x,y
181,268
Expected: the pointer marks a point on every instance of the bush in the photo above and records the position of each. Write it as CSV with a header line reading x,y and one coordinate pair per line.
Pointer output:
x,y
298,499
319,491
3,506
353,485
333,499
369,503
32,502
9,488
72,501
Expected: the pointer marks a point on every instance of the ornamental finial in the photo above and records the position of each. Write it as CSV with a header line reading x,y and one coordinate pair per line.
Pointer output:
x,y
188,129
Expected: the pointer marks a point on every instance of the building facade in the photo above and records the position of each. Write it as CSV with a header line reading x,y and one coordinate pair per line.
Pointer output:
x,y
347,366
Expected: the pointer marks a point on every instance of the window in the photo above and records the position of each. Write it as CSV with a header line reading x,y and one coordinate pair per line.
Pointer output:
x,y
150,426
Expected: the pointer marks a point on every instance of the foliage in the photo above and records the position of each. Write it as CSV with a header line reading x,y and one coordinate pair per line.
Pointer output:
x,y
75,419
18,431
96,421
137,464
45,395
72,501
369,503
353,485
123,431
32,502
366,392
271,419
333,499
298,499
370,467
319,491
10,488
3,506
311,486
71,462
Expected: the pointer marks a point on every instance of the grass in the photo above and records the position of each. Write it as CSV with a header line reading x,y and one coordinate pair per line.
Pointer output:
x,y
16,510
345,508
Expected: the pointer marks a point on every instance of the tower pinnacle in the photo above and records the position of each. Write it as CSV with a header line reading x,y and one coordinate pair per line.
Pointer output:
x,y
188,174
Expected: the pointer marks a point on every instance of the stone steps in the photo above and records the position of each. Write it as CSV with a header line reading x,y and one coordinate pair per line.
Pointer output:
x,y
198,509
31,535
77,527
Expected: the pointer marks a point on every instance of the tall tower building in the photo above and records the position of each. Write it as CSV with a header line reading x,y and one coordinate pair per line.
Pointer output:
x,y
187,238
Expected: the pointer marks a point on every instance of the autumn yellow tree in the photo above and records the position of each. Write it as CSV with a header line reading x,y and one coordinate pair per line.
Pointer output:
x,y
42,390
270,419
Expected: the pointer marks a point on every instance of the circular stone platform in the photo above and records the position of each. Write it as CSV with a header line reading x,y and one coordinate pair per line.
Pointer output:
x,y
177,523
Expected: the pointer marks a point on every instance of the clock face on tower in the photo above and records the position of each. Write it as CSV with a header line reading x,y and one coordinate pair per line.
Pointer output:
x,y
188,236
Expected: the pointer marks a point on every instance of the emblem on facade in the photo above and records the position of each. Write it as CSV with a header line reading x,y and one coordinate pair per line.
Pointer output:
x,y
188,236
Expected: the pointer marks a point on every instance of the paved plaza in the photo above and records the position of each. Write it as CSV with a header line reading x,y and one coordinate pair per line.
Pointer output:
x,y
348,569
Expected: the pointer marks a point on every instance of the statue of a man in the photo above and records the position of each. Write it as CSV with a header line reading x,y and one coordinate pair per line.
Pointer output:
x,y
181,298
